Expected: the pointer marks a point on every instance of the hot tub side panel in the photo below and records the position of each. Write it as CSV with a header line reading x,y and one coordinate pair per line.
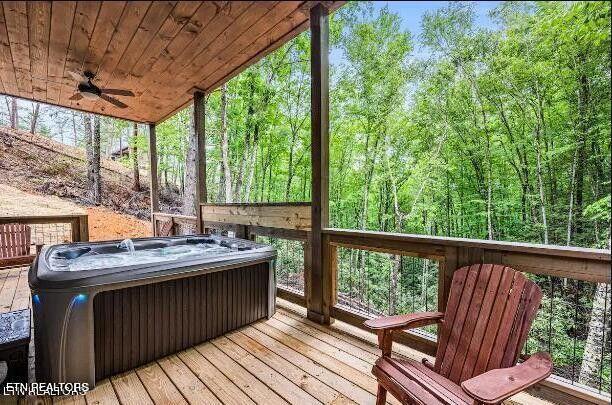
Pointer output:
x,y
136,325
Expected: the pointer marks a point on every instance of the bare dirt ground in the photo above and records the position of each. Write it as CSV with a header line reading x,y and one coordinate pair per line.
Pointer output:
x,y
14,202
104,224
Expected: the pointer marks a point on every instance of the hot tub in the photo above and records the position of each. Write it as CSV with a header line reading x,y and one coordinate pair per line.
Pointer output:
x,y
107,307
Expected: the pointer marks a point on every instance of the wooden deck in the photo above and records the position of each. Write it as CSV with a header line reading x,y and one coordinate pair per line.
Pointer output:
x,y
286,359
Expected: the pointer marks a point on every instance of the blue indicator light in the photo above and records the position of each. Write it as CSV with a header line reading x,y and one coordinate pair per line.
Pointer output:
x,y
36,299
80,298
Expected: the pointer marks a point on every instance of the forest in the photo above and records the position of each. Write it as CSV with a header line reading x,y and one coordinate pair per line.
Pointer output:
x,y
497,132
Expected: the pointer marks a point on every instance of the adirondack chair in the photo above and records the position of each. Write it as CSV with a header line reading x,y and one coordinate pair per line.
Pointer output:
x,y
15,245
488,316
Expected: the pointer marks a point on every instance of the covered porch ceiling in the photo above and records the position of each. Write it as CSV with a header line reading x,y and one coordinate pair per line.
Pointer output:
x,y
161,51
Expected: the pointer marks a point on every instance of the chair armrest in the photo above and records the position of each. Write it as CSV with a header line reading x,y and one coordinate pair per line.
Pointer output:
x,y
408,321
497,385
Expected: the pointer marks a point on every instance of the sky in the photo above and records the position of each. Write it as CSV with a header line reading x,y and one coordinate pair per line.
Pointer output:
x,y
412,11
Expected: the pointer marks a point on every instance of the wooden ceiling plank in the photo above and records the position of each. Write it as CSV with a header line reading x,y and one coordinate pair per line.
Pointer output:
x,y
16,18
201,56
148,27
275,16
7,71
178,18
62,15
224,17
273,44
270,38
85,18
191,72
125,30
221,52
39,21
108,18
190,34
288,28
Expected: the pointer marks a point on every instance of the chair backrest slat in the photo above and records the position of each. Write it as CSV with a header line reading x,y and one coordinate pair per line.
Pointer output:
x,y
488,316
166,228
14,240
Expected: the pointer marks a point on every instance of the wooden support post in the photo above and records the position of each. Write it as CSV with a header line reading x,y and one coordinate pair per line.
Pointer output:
x,y
84,228
153,175
199,122
318,304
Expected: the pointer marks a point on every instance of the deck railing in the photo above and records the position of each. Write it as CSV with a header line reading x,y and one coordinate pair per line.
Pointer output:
x,y
413,272
53,229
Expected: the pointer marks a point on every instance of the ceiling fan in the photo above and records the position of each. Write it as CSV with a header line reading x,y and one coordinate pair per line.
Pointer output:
x,y
86,89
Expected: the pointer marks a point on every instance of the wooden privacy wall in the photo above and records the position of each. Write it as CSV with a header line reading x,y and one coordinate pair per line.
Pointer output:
x,y
295,216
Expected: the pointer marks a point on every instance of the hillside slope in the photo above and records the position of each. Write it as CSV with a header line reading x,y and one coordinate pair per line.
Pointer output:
x,y
37,164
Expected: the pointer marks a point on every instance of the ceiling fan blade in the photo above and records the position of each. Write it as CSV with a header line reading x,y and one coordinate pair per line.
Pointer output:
x,y
76,97
79,77
117,92
113,101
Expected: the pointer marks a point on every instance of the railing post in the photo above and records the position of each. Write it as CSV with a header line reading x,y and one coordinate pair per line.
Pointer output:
x,y
318,305
75,229
330,273
84,228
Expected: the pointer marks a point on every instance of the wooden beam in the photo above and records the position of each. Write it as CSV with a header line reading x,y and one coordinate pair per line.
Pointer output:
x,y
199,122
318,304
153,174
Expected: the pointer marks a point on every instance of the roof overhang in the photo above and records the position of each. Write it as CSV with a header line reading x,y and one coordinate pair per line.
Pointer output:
x,y
159,50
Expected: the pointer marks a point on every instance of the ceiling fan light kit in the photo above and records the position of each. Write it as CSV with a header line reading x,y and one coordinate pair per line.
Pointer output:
x,y
86,89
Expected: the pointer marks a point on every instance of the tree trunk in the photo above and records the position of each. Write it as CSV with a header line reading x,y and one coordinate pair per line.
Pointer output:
x,y
74,129
541,185
89,154
190,172
363,217
97,178
225,167
251,165
34,121
249,126
134,155
570,211
13,112
593,349
583,135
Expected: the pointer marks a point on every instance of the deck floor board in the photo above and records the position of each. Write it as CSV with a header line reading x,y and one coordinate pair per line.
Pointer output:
x,y
287,359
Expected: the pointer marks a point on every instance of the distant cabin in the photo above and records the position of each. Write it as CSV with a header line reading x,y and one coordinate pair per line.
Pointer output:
x,y
120,152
